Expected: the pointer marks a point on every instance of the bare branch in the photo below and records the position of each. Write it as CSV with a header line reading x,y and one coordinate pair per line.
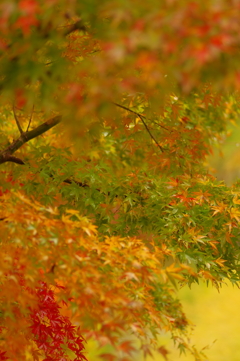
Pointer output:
x,y
144,123
6,154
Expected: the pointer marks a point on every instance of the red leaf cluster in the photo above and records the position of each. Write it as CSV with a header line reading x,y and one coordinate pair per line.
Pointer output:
x,y
51,330
53,333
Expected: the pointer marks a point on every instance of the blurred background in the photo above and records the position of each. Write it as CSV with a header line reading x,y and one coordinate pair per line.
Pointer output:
x,y
225,160
216,323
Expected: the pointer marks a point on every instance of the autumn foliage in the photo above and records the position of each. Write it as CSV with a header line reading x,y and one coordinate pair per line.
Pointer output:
x,y
109,110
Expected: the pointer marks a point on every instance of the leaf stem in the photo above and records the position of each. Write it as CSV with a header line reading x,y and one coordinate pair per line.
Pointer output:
x,y
17,121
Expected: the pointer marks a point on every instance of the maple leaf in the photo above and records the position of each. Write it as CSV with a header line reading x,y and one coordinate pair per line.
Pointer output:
x,y
163,351
235,213
220,208
131,276
126,346
36,354
220,262
236,200
107,356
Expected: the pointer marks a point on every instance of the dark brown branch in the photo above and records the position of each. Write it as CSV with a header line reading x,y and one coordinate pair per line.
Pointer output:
x,y
76,26
16,160
141,117
80,184
6,154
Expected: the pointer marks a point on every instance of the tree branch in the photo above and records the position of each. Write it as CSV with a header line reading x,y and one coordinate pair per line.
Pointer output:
x,y
16,160
144,123
6,154
80,184
76,26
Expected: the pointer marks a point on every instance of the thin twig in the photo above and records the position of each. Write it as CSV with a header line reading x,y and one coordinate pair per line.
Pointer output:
x,y
17,121
141,117
162,126
30,119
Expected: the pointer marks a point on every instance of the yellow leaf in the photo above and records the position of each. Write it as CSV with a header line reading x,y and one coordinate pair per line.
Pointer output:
x,y
235,213
220,262
236,200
